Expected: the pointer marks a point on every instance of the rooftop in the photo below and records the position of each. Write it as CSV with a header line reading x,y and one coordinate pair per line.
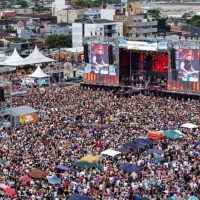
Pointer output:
x,y
98,21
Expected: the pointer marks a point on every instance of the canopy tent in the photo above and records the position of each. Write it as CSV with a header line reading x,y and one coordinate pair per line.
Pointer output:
x,y
14,60
38,73
89,158
173,134
189,126
110,152
36,57
130,168
79,197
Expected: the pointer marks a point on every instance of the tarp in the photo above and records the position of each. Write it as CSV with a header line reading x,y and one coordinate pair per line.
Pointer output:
x,y
14,60
189,125
130,168
110,152
173,134
36,57
79,197
89,158
38,73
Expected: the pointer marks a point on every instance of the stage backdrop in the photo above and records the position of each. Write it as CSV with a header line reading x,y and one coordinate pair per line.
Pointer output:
x,y
103,64
186,76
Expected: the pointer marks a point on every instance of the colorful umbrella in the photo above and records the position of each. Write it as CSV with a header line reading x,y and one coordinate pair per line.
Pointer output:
x,y
37,173
173,134
61,167
54,180
25,179
83,164
10,192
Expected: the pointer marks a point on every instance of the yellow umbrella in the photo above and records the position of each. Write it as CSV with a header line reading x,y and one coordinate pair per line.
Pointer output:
x,y
89,158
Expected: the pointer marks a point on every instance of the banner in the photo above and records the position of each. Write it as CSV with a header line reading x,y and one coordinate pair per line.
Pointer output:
x,y
162,45
142,46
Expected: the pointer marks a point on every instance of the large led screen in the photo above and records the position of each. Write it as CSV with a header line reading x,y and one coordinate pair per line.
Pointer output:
x,y
188,65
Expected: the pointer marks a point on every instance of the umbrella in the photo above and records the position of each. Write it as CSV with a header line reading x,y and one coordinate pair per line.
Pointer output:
x,y
158,151
83,164
10,192
189,126
3,186
54,180
3,161
89,158
79,197
130,168
173,134
192,198
37,173
61,167
25,179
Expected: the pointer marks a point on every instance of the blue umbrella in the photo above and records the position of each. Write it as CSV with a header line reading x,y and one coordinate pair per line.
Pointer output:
x,y
54,180
80,197
130,168
158,151
61,167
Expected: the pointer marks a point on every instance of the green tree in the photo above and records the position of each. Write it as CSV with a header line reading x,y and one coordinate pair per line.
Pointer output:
x,y
83,4
155,13
187,15
58,41
1,43
23,3
195,20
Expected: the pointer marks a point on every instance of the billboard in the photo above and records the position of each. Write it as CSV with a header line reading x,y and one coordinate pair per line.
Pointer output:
x,y
142,46
99,69
188,65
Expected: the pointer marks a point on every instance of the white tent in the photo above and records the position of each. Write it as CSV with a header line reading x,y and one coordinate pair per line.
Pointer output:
x,y
36,57
38,73
189,125
110,152
14,60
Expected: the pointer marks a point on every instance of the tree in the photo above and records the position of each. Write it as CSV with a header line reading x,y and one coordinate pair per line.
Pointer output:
x,y
155,13
1,43
83,4
23,3
58,41
195,20
187,16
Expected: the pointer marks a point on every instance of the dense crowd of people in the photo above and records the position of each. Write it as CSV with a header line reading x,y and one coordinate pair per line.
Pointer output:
x,y
75,122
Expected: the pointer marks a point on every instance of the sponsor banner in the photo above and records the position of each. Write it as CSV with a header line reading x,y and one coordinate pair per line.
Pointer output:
x,y
143,46
162,45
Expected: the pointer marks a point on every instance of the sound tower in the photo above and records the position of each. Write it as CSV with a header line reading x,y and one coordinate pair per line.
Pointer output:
x,y
174,71
86,56
110,53
2,97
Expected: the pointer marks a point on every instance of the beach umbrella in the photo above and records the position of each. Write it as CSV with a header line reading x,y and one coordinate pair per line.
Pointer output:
x,y
61,167
189,126
25,179
10,192
54,180
37,173
83,164
157,151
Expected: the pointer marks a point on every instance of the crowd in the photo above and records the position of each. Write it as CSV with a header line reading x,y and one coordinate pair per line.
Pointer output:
x,y
75,122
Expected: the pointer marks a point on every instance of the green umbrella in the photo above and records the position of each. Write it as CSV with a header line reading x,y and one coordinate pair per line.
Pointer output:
x,y
83,164
173,134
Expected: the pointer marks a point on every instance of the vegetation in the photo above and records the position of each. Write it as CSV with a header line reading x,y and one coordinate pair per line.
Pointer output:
x,y
95,3
155,13
18,40
195,20
23,3
54,41
1,43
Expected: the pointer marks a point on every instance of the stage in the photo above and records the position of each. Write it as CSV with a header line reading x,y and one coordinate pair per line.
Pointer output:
x,y
129,91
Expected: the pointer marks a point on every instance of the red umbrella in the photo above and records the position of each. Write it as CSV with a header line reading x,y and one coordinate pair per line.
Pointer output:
x,y
10,192
25,179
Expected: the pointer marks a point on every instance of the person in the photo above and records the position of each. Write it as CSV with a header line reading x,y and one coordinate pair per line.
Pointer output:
x,y
188,72
100,66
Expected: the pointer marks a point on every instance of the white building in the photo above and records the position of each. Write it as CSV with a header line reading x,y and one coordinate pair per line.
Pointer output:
x,y
103,27
107,14
58,5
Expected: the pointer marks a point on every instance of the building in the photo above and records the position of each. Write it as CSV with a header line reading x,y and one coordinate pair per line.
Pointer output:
x,y
58,5
55,29
99,27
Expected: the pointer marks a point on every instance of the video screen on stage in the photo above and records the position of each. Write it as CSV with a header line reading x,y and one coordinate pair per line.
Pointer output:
x,y
103,64
99,58
189,65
